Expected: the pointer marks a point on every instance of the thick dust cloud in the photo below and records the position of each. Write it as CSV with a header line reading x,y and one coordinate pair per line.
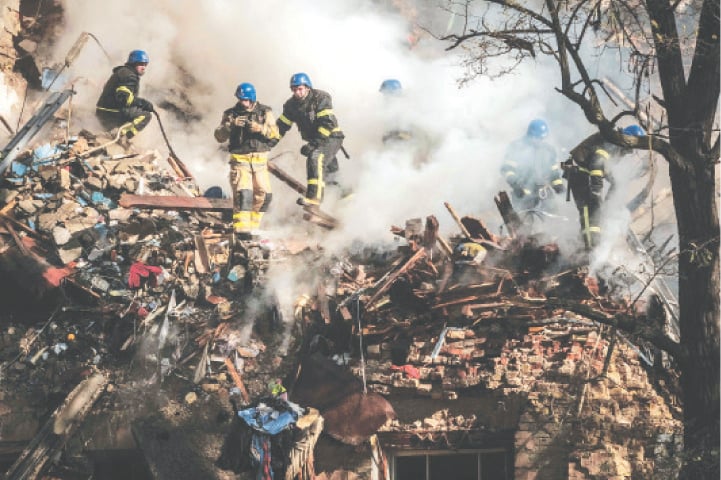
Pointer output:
x,y
200,51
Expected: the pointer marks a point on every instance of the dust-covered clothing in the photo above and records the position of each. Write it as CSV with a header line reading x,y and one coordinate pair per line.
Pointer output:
x,y
251,135
532,171
318,126
119,102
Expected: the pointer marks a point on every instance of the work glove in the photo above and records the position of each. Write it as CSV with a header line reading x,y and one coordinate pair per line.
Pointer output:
x,y
222,133
144,104
255,126
240,121
307,149
139,270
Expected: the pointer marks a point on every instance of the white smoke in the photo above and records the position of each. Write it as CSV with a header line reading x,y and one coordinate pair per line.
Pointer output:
x,y
347,48
205,49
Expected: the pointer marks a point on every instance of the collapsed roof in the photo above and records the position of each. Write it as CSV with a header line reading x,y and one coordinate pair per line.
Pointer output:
x,y
137,297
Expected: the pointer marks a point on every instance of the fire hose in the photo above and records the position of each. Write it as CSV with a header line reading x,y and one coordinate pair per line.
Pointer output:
x,y
176,163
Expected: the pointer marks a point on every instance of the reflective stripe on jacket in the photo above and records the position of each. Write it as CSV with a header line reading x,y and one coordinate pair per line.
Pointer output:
x,y
121,89
314,116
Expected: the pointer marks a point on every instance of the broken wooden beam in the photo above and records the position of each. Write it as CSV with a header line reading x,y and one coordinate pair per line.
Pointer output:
x,y
455,216
509,215
421,253
202,252
311,213
317,216
191,203
478,229
323,302
286,178
16,238
431,236
175,202
237,380
180,168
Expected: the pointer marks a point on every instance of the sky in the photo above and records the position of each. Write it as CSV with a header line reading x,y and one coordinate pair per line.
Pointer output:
x,y
205,49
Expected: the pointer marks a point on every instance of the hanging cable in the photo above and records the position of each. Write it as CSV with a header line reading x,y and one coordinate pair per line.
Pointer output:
x,y
360,341
165,137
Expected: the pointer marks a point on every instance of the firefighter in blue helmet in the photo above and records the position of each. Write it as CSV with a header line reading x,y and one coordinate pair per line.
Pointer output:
x,y
392,90
586,169
400,131
530,167
391,86
119,103
250,128
312,110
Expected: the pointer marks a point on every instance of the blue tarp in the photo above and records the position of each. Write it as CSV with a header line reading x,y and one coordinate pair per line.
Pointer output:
x,y
267,420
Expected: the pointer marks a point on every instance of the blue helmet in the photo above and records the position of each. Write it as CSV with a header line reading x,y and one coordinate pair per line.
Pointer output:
x,y
138,56
391,86
245,91
633,130
537,129
300,79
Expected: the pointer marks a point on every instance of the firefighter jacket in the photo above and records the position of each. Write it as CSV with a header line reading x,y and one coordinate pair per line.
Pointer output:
x,y
588,169
235,126
314,116
585,171
530,165
121,91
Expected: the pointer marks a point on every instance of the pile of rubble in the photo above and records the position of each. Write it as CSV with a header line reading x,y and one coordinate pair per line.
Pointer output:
x,y
146,304
146,298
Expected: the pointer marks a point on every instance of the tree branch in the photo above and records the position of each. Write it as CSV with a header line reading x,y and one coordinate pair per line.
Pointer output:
x,y
623,322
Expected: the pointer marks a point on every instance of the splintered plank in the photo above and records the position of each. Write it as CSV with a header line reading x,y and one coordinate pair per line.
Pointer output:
x,y
455,216
286,178
418,255
509,215
319,218
478,229
237,380
313,215
202,252
175,202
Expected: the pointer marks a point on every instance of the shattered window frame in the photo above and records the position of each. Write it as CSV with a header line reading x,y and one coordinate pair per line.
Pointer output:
x,y
427,454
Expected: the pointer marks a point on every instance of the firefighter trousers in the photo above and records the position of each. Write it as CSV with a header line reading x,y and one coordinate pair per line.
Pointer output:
x,y
588,201
137,117
321,166
250,183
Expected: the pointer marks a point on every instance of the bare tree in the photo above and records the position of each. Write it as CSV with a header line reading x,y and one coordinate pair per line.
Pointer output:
x,y
670,47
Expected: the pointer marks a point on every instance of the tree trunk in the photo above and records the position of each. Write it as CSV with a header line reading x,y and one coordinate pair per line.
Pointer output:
x,y
698,227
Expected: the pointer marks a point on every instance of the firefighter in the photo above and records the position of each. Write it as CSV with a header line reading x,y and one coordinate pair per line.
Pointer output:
x,y
391,86
312,110
392,90
249,127
530,168
586,169
119,103
400,134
